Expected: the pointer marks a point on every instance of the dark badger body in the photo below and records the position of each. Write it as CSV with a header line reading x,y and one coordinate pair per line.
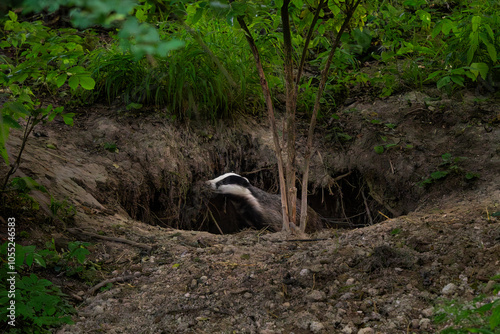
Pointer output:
x,y
255,206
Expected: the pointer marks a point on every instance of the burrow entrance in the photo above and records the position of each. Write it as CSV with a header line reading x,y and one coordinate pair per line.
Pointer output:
x,y
346,203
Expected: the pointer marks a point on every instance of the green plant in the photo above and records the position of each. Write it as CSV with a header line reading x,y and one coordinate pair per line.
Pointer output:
x,y
480,316
23,186
62,209
39,304
448,165
470,43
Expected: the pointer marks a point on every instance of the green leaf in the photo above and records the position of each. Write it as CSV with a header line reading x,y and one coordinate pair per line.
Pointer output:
x,y
76,70
29,259
433,74
479,69
68,118
476,22
439,175
73,82
61,79
379,149
10,122
495,317
443,82
87,82
492,52
458,80
197,16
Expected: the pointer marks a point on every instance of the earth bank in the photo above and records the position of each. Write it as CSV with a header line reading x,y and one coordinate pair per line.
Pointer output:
x,y
141,179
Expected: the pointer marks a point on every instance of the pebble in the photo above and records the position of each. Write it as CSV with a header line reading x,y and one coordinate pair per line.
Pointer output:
x,y
316,296
350,281
247,295
316,326
449,289
98,309
367,330
428,312
425,323
304,272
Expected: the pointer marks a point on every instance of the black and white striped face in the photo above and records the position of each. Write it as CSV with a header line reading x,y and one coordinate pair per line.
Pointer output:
x,y
236,187
230,183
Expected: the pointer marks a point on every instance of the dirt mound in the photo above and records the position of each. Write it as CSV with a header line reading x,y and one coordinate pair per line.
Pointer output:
x,y
141,179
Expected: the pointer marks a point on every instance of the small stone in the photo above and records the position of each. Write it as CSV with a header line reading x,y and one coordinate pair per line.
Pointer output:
x,y
425,323
346,296
449,289
350,281
372,292
304,272
343,267
267,331
193,283
98,309
349,329
367,330
415,323
247,295
203,278
316,296
428,312
489,286
316,326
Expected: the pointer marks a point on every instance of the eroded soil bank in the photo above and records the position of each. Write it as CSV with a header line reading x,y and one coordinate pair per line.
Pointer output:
x,y
141,178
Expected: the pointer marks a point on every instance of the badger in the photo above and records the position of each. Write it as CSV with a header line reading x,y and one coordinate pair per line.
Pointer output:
x,y
256,207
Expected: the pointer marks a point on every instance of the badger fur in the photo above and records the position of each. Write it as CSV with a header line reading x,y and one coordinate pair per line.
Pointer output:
x,y
256,207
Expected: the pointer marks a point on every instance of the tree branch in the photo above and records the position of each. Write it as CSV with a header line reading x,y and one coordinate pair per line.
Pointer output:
x,y
350,9
272,120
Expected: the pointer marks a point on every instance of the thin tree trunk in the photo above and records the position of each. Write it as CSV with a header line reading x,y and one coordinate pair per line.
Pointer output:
x,y
290,115
272,121
306,47
350,9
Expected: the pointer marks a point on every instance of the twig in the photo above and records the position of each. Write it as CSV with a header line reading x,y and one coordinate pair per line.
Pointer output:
x,y
77,231
368,213
111,280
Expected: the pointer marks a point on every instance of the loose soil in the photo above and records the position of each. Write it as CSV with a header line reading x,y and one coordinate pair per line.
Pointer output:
x,y
423,245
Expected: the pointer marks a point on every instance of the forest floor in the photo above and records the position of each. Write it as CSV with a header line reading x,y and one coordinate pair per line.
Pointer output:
x,y
395,276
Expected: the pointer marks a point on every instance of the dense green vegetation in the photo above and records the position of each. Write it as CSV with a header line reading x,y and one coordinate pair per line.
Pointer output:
x,y
190,60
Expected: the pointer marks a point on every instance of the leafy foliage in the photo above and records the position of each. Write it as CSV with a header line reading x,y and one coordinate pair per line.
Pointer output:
x,y
40,304
448,165
482,316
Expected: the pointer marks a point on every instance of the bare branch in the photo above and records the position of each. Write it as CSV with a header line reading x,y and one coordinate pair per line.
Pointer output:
x,y
350,7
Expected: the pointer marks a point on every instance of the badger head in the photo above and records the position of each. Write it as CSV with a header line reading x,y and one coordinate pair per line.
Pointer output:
x,y
239,190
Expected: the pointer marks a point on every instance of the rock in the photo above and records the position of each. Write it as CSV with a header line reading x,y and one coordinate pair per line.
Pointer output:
x,y
428,312
346,296
316,296
316,326
247,295
489,286
98,309
304,272
367,330
350,281
349,329
449,289
425,323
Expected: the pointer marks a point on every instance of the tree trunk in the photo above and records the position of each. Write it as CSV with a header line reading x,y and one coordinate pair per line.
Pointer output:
x,y
290,116
272,121
350,9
